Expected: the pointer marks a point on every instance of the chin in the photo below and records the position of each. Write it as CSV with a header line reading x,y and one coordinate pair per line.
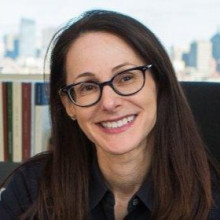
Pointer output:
x,y
117,150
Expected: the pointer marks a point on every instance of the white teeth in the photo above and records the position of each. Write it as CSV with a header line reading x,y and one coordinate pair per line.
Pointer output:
x,y
114,124
119,123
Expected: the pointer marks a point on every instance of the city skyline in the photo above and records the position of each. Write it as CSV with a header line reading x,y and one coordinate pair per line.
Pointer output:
x,y
191,35
190,20
199,60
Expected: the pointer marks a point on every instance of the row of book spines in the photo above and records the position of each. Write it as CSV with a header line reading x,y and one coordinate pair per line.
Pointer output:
x,y
13,140
18,99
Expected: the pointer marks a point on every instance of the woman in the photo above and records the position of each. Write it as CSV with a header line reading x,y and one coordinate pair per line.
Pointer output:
x,y
124,142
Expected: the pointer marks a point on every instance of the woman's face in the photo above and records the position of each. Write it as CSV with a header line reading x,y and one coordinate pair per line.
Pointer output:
x,y
101,55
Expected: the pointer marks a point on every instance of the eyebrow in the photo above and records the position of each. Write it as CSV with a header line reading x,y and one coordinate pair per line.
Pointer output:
x,y
86,74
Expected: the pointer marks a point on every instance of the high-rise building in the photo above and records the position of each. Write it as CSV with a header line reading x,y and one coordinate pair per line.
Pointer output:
x,y
216,45
11,45
27,37
200,56
216,49
176,58
47,35
186,58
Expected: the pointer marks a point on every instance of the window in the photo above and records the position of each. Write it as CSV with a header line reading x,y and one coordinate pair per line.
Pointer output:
x,y
188,30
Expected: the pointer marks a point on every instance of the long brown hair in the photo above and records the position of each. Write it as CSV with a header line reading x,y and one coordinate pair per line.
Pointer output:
x,y
180,168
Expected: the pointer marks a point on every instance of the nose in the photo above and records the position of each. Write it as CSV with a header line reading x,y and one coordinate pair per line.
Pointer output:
x,y
110,100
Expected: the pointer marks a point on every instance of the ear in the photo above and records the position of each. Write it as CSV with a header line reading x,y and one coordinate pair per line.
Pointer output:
x,y
69,106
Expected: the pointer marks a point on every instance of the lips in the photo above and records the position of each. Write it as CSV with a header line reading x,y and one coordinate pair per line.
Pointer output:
x,y
118,123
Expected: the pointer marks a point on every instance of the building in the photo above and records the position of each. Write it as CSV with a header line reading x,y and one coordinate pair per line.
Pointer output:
x,y
176,54
27,38
47,35
200,57
216,49
11,46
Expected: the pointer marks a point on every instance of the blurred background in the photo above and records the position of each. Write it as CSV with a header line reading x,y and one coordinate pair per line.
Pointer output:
x,y
188,29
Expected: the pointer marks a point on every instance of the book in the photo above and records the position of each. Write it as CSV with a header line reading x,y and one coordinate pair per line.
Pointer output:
x,y
42,120
1,125
32,118
9,119
26,120
24,117
17,121
5,121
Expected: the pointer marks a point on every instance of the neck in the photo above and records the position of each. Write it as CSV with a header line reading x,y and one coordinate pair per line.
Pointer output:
x,y
125,173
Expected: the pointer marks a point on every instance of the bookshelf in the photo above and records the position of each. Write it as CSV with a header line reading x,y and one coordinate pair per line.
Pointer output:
x,y
23,77
24,117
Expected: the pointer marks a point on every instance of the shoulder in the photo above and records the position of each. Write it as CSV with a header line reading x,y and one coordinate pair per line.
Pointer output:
x,y
22,188
215,211
33,168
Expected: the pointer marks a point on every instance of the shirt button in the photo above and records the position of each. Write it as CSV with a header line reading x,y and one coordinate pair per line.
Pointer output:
x,y
135,202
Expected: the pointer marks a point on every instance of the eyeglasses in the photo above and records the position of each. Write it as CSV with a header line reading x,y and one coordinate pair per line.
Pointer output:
x,y
125,83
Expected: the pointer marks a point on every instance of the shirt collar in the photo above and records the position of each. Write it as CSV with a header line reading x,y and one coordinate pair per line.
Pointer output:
x,y
98,189
97,186
145,193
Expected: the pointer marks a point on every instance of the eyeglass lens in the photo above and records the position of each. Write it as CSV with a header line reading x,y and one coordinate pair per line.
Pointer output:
x,y
125,83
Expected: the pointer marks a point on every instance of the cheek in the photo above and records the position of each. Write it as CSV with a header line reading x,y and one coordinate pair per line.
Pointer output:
x,y
150,107
151,112
84,120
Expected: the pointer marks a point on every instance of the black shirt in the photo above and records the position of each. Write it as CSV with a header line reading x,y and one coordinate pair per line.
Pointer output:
x,y
102,200
23,187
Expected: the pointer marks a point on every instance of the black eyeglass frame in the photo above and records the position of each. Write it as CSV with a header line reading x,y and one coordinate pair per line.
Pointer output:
x,y
66,89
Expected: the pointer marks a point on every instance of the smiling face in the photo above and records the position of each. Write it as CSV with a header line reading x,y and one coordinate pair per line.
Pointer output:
x,y
116,124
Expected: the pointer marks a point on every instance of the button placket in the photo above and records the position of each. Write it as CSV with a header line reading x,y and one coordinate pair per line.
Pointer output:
x,y
135,202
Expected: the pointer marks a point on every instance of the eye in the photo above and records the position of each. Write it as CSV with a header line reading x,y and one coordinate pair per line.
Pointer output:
x,y
86,88
125,78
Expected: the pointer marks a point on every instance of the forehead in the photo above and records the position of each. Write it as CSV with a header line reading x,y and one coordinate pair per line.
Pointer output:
x,y
94,41
97,50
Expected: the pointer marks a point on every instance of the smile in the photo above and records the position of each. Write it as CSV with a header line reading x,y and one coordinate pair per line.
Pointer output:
x,y
117,124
